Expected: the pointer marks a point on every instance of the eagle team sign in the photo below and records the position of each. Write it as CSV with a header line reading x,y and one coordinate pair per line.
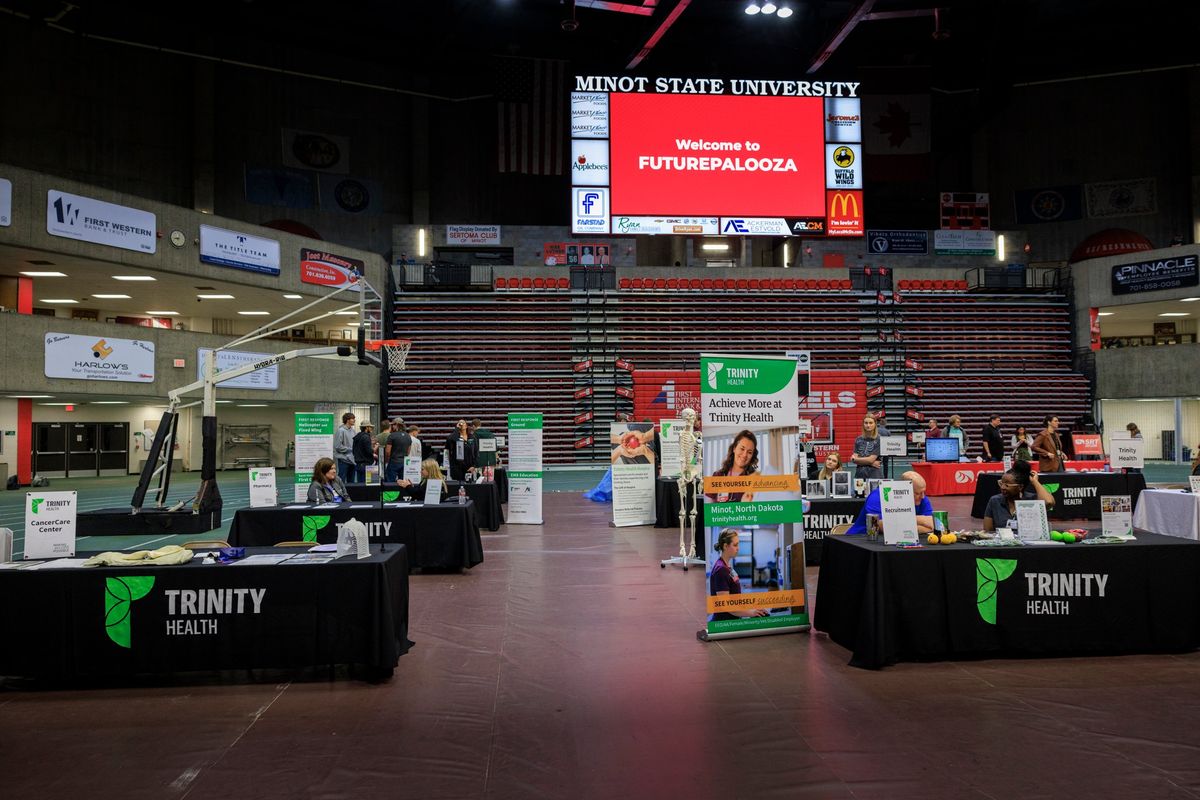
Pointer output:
x,y
749,408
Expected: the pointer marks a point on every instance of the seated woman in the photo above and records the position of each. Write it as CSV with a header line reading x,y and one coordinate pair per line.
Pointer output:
x,y
1019,483
742,459
326,486
430,470
833,463
724,578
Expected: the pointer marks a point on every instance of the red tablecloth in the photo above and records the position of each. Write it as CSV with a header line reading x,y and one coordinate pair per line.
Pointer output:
x,y
942,479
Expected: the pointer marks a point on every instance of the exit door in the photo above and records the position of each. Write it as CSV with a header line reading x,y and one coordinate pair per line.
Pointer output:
x,y
83,449
50,449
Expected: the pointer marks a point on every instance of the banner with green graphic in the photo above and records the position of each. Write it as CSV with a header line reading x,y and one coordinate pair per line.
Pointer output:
x,y
525,469
50,524
314,441
753,512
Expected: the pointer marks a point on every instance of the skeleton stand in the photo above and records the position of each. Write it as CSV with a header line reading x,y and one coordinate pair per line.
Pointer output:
x,y
689,479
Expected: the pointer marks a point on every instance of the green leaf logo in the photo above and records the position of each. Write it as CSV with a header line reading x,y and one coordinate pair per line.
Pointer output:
x,y
312,525
119,594
988,574
714,368
1051,487
389,497
887,493
34,502
253,474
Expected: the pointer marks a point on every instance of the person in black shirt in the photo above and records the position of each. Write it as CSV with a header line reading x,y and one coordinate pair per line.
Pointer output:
x,y
724,579
1019,483
364,452
395,451
460,449
993,441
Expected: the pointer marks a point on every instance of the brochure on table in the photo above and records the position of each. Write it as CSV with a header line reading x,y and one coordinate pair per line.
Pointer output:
x,y
632,446
433,492
1194,482
525,469
1032,524
314,441
262,486
743,397
1116,515
1127,453
898,504
668,443
50,524
412,469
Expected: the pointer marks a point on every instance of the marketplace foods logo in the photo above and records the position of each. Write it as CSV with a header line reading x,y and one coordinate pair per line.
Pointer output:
x,y
119,595
310,525
989,572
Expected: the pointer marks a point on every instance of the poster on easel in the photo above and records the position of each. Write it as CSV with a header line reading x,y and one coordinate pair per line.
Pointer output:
x,y
1127,453
668,443
897,503
525,469
753,508
262,487
50,524
314,441
1116,515
633,460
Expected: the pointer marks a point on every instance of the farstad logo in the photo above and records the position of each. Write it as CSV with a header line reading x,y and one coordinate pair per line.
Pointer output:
x,y
989,572
119,595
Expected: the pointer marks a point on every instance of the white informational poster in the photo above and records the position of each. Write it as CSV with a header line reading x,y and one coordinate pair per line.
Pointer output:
x,y
1127,453
918,437
265,378
433,492
1194,482
473,234
1116,515
239,250
668,443
88,220
802,465
262,486
1032,524
5,202
412,469
50,524
1007,463
314,441
525,469
632,473
897,503
93,358
893,445
487,445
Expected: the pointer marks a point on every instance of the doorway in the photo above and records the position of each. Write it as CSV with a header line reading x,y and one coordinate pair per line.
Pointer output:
x,y
80,449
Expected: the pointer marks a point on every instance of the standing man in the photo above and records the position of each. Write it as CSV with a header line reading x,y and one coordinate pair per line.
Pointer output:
x,y
398,442
385,430
417,448
993,442
484,459
343,448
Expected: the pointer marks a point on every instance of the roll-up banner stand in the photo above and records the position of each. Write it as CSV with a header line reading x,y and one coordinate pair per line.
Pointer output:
x,y
750,418
632,473
524,469
668,443
314,441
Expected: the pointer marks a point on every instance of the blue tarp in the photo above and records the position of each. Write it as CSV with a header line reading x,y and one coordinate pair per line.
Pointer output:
x,y
603,491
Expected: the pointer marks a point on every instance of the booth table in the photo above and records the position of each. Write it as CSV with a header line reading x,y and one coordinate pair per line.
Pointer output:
x,y
486,497
347,611
666,504
823,516
1077,495
1170,512
959,477
442,536
886,604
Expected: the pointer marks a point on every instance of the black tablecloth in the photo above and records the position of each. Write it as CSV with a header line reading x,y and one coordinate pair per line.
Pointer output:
x,y
58,624
887,604
488,512
821,517
666,504
1077,496
441,536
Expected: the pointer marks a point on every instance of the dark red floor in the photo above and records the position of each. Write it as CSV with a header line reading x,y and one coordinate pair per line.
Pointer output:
x,y
566,666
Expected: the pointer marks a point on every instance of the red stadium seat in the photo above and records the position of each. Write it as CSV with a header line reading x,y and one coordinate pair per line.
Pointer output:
x,y
539,283
637,283
526,283
706,283
672,283
660,283
822,284
811,284
939,286
695,283
962,285
501,283
564,283
743,284
625,283
902,285
927,285
789,284
777,283
755,284
846,284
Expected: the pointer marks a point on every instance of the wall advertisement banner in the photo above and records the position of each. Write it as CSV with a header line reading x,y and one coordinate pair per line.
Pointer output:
x,y
238,250
327,269
964,242
89,358
50,524
314,441
1156,275
473,234
5,202
668,446
89,220
262,486
632,473
753,511
525,469
265,378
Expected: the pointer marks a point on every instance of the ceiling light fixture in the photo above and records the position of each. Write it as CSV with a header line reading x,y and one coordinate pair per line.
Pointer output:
x,y
35,274
111,296
1105,313
163,313
714,246
1189,299
254,313
251,405
134,278
768,7
215,296
345,313
784,12
753,9
1176,314
293,297
109,403
61,301
29,396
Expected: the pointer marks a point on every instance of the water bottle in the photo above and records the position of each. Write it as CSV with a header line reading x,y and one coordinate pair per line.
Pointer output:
x,y
462,494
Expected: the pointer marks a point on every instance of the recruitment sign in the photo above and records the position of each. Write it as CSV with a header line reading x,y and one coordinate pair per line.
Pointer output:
x,y
750,415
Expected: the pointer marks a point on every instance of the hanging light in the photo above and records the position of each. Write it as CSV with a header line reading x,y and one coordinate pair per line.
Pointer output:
x,y
768,7
784,12
752,8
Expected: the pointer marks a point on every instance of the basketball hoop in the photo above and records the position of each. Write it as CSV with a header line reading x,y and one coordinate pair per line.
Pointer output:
x,y
395,351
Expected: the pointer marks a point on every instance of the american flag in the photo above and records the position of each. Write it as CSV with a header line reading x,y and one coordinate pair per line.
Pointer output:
x,y
531,115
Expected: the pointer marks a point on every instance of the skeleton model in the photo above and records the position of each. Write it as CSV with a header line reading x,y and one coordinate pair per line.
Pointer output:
x,y
690,476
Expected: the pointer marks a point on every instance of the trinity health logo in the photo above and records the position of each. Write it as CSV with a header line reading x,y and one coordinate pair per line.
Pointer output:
x,y
989,573
311,524
119,596
34,503
714,369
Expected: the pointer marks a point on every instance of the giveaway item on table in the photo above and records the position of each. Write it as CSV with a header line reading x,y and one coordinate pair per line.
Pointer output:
x,y
163,556
352,538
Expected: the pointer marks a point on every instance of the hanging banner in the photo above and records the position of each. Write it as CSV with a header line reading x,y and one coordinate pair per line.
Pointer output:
x,y
239,250
750,416
262,486
5,202
314,441
668,445
87,219
92,358
525,469
50,524
265,378
328,269
632,473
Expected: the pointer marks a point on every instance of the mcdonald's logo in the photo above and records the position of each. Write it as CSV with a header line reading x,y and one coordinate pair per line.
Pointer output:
x,y
845,213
